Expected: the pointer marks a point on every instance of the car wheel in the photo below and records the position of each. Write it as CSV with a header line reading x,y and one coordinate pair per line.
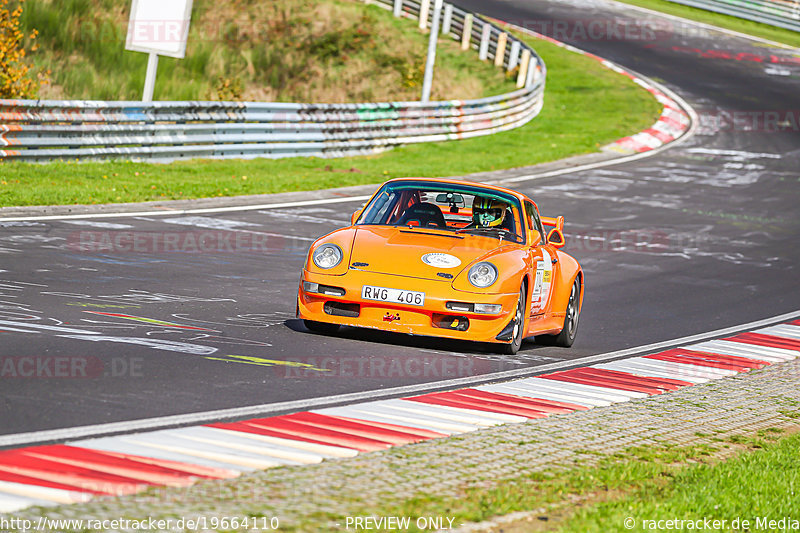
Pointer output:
x,y
567,335
519,327
321,327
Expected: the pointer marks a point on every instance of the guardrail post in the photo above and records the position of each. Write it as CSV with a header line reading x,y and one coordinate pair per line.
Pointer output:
x,y
523,68
500,51
424,8
513,57
447,21
483,53
466,34
533,69
398,8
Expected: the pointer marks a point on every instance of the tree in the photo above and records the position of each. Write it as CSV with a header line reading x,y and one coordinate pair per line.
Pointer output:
x,y
16,78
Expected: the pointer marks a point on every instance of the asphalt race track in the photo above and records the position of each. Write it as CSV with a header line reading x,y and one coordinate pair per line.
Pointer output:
x,y
698,237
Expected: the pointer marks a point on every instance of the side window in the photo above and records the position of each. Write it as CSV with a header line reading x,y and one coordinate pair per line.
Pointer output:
x,y
534,223
379,208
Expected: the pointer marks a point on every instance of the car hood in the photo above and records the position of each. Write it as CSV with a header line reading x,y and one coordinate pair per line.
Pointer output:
x,y
400,250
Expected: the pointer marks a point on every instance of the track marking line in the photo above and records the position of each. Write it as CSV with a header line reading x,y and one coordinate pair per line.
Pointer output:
x,y
180,212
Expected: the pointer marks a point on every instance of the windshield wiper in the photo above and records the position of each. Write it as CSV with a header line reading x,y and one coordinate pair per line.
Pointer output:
x,y
502,232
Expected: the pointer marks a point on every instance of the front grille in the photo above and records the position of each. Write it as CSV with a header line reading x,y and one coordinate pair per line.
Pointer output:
x,y
342,309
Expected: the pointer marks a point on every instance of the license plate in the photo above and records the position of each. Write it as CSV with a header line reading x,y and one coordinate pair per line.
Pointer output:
x,y
383,294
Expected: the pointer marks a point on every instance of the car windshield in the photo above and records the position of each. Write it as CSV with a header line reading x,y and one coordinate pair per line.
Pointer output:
x,y
449,207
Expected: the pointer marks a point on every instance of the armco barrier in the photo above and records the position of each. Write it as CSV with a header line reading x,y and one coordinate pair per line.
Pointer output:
x,y
780,13
43,130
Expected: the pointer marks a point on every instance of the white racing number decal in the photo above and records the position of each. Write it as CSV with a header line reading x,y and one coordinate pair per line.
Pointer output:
x,y
542,282
536,296
383,294
547,277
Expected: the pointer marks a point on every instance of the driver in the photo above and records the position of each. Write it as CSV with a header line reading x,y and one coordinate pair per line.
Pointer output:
x,y
488,212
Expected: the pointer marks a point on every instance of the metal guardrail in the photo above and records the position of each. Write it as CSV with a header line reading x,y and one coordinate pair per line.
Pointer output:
x,y
780,13
42,130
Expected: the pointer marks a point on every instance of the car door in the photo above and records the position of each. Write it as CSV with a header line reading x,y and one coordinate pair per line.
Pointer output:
x,y
541,260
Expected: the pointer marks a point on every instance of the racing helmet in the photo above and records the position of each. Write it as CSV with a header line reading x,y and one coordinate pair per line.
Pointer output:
x,y
488,212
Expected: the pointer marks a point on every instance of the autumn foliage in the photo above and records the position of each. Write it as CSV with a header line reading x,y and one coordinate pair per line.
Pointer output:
x,y
16,77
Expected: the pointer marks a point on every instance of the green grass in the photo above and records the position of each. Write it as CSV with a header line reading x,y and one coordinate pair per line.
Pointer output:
x,y
761,484
586,106
281,50
759,479
765,31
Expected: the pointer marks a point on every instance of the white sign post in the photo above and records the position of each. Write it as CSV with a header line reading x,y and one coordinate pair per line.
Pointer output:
x,y
427,81
158,27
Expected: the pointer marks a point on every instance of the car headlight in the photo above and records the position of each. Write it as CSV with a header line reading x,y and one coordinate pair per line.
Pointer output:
x,y
482,275
327,256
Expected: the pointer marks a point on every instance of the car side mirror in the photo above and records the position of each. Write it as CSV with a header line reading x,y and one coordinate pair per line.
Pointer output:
x,y
556,238
355,216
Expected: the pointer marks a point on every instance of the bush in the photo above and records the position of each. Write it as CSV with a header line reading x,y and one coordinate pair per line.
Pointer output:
x,y
15,72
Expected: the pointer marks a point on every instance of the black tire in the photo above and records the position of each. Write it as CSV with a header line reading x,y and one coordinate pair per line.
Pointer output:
x,y
570,330
321,327
519,328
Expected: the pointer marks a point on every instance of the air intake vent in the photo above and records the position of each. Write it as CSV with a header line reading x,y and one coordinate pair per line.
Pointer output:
x,y
458,323
342,309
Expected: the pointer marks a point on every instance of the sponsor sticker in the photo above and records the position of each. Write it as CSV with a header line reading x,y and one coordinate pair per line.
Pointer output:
x,y
440,260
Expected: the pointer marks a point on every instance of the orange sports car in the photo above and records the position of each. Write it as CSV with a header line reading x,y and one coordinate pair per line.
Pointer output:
x,y
445,258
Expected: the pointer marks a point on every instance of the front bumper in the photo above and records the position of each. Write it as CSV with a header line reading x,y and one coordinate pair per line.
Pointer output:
x,y
433,319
